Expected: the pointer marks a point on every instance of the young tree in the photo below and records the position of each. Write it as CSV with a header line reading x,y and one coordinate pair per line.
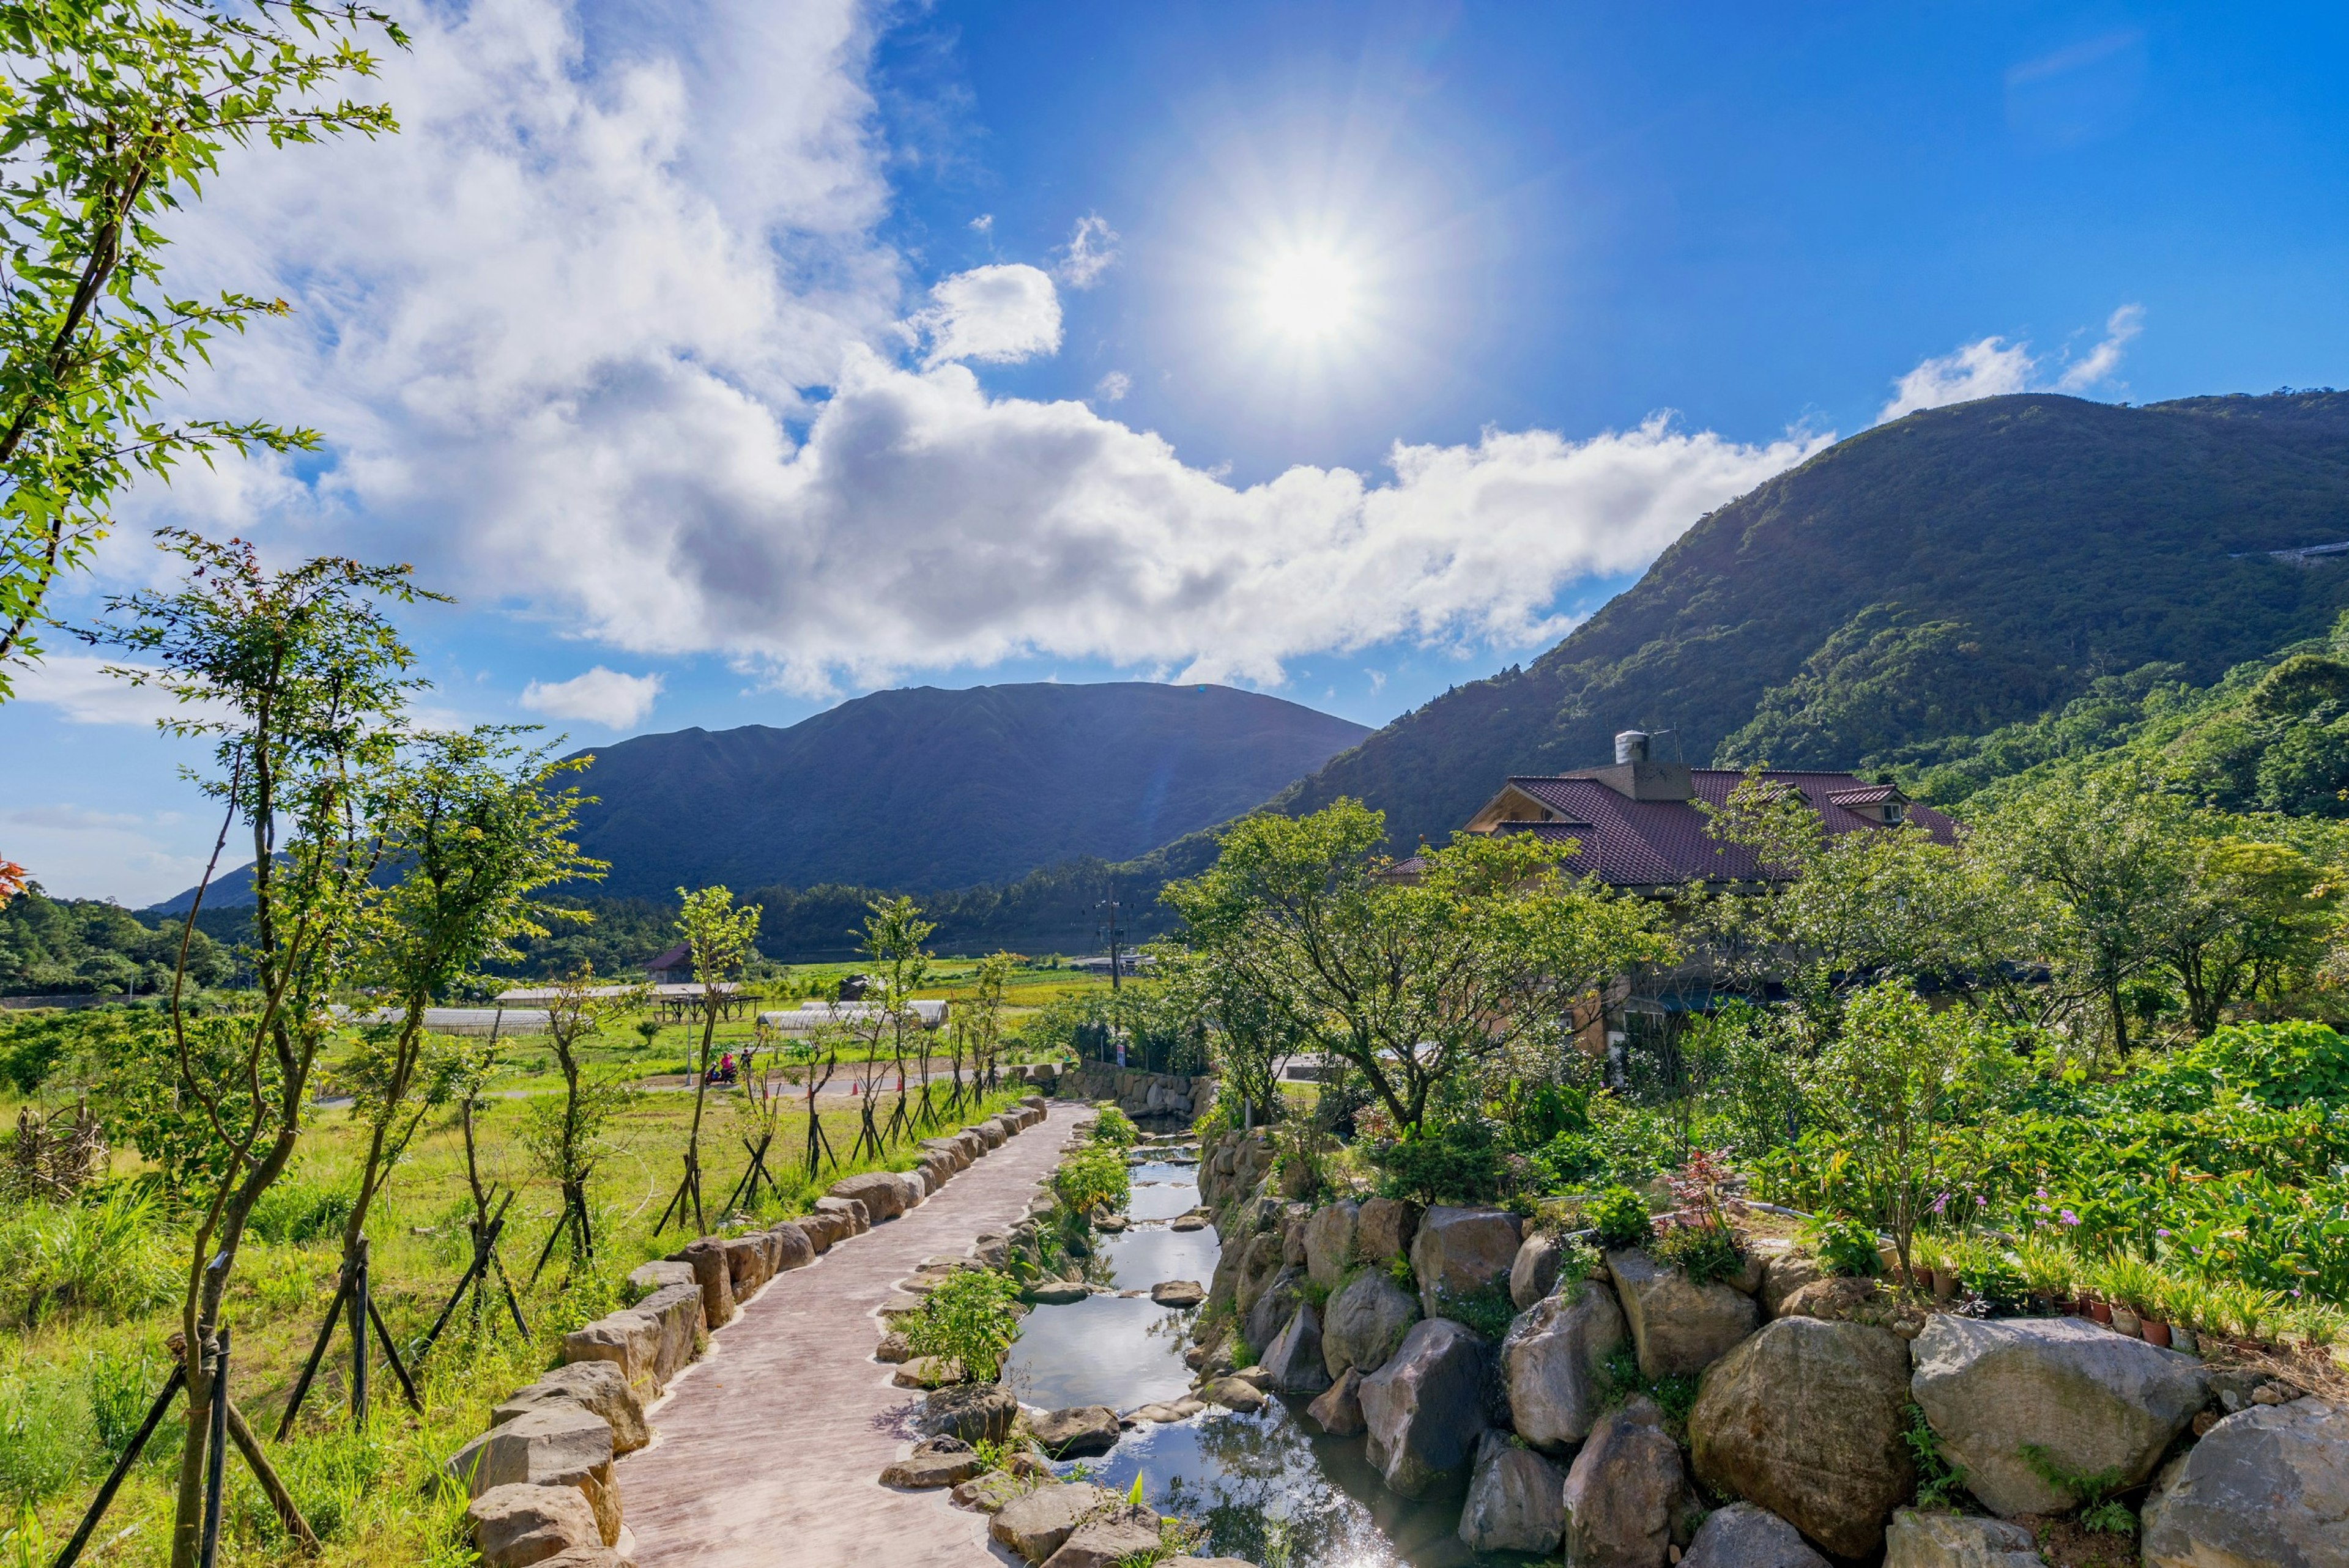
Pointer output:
x,y
1408,978
722,939
298,680
894,934
113,114
481,824
1858,907
2253,911
1896,1082
974,1031
566,1142
2111,851
1251,1034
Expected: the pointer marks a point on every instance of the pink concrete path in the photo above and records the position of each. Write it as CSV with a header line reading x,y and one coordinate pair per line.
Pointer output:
x,y
770,1449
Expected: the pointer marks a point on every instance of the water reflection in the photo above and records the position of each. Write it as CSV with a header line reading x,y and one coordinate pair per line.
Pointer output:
x,y
1241,1477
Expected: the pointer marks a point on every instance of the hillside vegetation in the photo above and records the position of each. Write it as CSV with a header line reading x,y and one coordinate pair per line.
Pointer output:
x,y
1947,574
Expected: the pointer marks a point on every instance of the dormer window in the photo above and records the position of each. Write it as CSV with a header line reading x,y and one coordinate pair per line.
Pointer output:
x,y
1882,804
1894,809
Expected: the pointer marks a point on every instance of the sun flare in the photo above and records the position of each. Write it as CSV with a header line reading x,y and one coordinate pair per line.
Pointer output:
x,y
1311,294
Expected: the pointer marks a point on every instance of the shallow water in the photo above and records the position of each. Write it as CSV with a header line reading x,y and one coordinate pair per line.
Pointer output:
x,y
1243,1476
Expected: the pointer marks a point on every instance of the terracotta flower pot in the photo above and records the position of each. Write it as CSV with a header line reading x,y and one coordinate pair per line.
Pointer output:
x,y
2125,1321
1945,1284
2153,1331
2102,1311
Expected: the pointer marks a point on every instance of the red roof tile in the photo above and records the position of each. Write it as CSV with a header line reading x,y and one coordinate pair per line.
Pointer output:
x,y
1652,844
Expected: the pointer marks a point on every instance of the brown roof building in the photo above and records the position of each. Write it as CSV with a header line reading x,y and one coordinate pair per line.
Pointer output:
x,y
1638,825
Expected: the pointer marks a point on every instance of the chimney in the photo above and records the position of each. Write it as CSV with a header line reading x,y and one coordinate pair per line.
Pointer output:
x,y
1635,778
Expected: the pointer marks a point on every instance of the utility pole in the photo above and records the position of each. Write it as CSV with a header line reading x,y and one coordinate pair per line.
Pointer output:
x,y
1117,934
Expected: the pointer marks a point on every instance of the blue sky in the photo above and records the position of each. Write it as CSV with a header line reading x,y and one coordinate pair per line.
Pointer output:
x,y
728,361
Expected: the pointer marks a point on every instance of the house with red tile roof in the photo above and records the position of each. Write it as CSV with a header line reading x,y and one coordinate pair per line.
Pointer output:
x,y
1640,826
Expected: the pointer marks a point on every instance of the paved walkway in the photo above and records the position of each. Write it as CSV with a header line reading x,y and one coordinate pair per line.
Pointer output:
x,y
770,1449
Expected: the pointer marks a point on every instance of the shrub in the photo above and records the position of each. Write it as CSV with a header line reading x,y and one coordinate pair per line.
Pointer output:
x,y
1489,1311
970,1319
1115,1128
1578,1261
1090,1177
1847,1247
104,1257
292,1212
1940,1483
1705,1253
1458,1162
1620,1219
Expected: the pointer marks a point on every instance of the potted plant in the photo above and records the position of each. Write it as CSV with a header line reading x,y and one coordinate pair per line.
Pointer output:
x,y
2132,1284
2048,1268
1930,1258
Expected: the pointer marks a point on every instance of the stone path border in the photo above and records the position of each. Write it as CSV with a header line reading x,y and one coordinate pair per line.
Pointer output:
x,y
767,1447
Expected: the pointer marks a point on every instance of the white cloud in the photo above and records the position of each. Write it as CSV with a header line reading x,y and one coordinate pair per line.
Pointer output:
x,y
983,222
1993,367
1113,387
600,697
633,359
70,819
78,686
2099,363
1089,252
996,315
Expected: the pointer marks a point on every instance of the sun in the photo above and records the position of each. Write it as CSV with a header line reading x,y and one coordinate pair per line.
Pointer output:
x,y
1311,294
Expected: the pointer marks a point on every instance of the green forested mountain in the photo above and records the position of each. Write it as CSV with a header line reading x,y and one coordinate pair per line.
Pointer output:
x,y
61,946
1946,574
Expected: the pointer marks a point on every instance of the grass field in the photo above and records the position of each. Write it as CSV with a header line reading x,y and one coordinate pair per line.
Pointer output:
x,y
75,1375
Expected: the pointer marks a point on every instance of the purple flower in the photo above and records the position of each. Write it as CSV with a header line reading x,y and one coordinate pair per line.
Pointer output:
x,y
2163,1234
1982,1203
2070,1218
2041,1193
1941,1203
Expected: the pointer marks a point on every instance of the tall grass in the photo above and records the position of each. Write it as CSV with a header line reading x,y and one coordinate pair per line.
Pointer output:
x,y
106,1255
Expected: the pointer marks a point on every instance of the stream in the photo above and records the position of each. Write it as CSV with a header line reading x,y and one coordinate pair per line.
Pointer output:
x,y
1250,1480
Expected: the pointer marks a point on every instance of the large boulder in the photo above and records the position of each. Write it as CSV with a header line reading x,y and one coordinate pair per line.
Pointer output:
x,y
1260,1266
1385,1229
1515,1500
1294,1220
935,1462
1460,1251
970,1411
1424,1408
749,1263
881,1192
1038,1524
2091,1400
1805,1418
515,1525
1273,1305
627,1340
556,1445
646,1278
715,1274
1078,1432
596,1386
793,1247
1534,1274
1339,1410
2269,1484
1744,1536
1679,1327
1294,1358
1915,1540
679,1314
1124,1533
1785,1273
1554,1365
1625,1494
1364,1323
1329,1243
858,1218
